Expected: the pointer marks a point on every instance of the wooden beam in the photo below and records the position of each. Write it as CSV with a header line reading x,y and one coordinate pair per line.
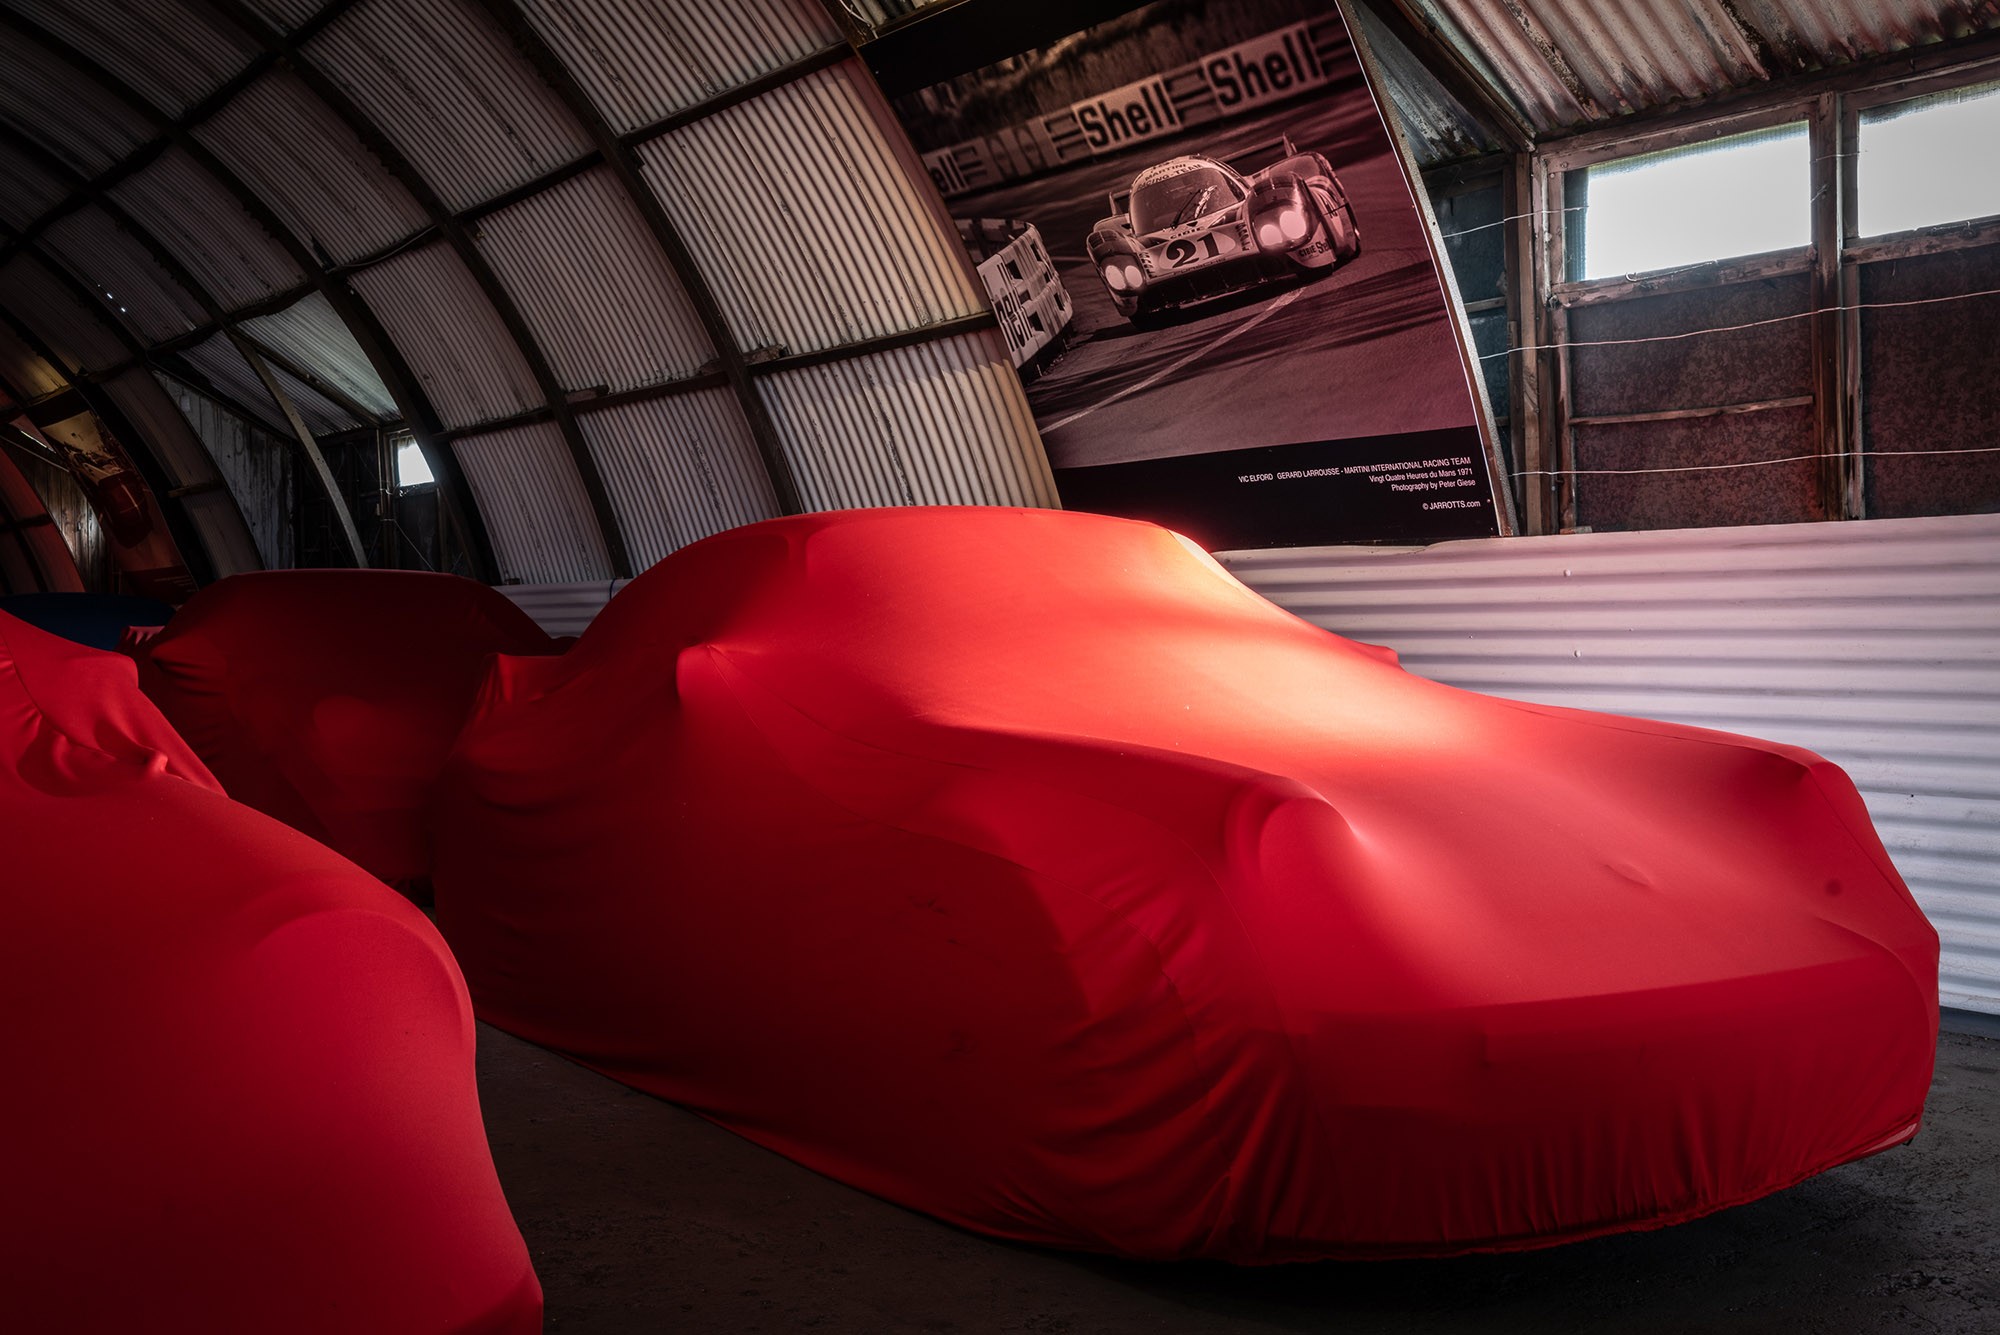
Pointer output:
x,y
309,448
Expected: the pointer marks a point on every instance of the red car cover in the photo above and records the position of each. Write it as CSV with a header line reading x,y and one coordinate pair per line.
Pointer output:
x,y
329,698
1027,869
240,1091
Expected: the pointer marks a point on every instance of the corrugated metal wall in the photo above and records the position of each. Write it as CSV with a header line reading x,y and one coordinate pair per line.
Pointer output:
x,y
310,334
803,261
678,469
433,307
535,506
942,423
310,168
1876,644
597,294
641,61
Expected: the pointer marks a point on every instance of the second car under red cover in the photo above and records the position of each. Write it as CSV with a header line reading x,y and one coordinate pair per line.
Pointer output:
x,y
1025,868
329,698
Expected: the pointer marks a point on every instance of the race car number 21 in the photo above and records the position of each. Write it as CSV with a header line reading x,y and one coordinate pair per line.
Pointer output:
x,y
1194,249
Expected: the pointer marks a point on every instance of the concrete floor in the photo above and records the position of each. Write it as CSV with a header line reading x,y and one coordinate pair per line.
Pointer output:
x,y
641,1217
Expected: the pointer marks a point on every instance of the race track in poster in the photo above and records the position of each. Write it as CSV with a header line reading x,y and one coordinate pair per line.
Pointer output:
x,y
1267,365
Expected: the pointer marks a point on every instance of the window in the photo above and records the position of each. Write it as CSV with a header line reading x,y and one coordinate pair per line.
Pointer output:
x,y
1743,195
1930,160
412,469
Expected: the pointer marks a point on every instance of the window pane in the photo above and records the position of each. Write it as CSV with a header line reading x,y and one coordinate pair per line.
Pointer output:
x,y
1930,160
411,468
1742,195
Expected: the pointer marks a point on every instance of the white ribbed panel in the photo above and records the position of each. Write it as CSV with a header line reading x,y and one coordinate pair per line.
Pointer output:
x,y
60,107
452,93
1876,644
535,507
79,335
811,229
641,60
205,228
311,335
594,286
114,265
30,191
678,469
941,423
172,53
450,334
301,159
564,609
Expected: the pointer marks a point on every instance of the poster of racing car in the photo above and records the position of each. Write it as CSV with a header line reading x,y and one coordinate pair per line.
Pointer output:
x,y
1195,227
1234,361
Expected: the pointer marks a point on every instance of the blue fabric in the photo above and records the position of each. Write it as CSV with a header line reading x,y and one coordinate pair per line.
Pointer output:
x,y
94,619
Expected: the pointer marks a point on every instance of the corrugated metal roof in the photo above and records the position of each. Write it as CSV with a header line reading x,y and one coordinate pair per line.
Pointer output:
x,y
879,12
642,60
1438,128
21,368
678,469
78,335
452,93
218,360
322,415
1876,644
59,107
535,507
207,229
1567,64
810,227
302,160
113,263
594,286
286,14
310,334
30,192
942,423
170,53
449,333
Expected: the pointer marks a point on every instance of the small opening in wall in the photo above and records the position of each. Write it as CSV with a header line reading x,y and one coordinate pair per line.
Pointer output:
x,y
1929,160
1745,194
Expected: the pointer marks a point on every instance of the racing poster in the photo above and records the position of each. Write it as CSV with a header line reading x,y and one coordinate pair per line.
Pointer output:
x,y
1204,253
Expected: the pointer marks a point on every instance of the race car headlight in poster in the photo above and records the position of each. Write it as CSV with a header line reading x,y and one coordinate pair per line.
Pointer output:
x,y
1234,361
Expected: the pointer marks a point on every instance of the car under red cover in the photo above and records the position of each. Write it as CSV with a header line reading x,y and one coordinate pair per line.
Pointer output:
x,y
1026,869
329,698
240,1089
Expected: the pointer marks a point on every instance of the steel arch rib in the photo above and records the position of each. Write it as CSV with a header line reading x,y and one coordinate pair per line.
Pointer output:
x,y
321,85
396,376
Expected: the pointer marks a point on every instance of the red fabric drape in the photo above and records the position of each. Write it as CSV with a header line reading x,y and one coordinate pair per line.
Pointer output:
x,y
1025,868
240,1071
329,698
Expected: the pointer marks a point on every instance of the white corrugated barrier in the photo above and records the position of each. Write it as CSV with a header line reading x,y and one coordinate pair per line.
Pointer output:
x,y
1876,644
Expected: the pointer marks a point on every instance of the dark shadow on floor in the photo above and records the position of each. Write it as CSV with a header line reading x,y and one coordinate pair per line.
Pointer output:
x,y
642,1217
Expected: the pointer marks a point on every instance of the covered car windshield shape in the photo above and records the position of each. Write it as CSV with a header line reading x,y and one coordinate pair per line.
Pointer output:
x,y
1158,205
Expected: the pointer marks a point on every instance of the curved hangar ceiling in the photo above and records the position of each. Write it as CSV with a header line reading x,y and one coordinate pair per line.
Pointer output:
x,y
633,274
